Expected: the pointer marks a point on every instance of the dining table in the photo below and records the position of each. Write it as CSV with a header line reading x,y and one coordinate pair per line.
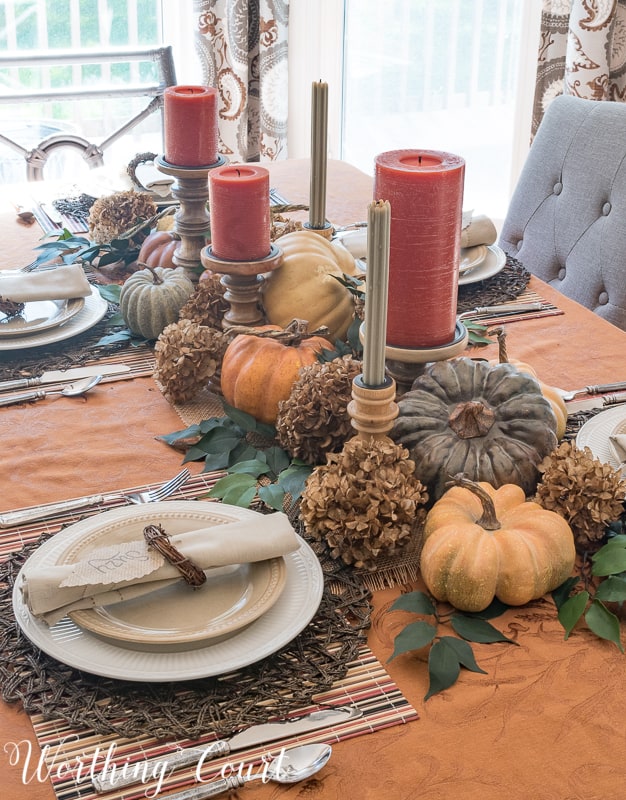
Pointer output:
x,y
543,719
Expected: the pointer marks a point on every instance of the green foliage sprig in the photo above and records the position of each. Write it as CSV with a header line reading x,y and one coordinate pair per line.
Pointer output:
x,y
577,598
263,470
447,653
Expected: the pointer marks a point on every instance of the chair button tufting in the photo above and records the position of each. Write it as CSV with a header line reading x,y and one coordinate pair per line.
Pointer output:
x,y
558,187
603,298
561,274
519,245
606,208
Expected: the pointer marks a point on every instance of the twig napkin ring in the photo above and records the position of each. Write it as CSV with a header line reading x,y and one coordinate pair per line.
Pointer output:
x,y
156,537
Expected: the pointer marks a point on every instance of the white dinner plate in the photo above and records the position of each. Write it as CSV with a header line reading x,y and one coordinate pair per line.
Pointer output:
x,y
93,310
472,257
494,262
595,433
40,315
286,618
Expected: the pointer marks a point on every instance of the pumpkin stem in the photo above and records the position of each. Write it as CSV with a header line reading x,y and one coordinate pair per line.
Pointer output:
x,y
488,520
471,419
503,356
293,334
156,279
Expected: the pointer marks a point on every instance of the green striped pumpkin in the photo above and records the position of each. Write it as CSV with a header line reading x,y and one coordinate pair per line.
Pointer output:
x,y
151,299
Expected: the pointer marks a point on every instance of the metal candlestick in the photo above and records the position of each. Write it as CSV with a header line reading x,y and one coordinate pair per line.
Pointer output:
x,y
242,281
192,221
373,408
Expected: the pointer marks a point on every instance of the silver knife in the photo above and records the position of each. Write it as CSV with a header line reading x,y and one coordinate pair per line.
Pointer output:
x,y
504,308
61,376
256,734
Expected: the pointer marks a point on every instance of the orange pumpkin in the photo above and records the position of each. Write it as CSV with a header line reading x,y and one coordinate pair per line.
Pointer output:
x,y
158,248
258,372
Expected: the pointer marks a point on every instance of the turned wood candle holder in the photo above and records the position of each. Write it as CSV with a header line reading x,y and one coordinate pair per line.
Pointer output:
x,y
327,231
373,408
406,364
192,222
242,281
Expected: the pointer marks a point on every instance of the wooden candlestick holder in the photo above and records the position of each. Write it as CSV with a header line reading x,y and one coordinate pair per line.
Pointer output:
x,y
192,221
373,408
405,364
327,231
242,281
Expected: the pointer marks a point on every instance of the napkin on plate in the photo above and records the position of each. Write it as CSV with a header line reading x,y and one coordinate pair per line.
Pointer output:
x,y
113,573
617,443
152,179
477,230
60,283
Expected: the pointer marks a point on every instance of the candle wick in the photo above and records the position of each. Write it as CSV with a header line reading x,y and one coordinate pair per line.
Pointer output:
x,y
238,173
419,159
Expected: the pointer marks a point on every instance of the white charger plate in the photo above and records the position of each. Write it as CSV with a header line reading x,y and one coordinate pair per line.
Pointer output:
x,y
287,617
595,433
40,315
93,310
493,263
472,257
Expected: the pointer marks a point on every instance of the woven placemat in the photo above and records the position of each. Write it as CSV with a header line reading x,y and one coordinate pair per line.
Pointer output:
x,y
506,285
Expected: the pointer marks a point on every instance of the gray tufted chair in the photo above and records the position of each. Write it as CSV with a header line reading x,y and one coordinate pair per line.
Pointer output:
x,y
567,219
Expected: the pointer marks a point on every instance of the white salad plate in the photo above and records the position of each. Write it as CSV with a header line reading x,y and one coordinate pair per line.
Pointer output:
x,y
595,434
40,315
493,263
472,257
292,607
93,310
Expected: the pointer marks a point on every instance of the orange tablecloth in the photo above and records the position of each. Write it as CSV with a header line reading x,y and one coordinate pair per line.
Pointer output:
x,y
546,721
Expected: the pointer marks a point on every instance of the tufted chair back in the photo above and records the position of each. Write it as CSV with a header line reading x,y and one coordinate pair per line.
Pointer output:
x,y
567,219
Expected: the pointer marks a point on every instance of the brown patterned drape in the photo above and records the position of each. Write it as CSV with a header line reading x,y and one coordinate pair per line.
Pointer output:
x,y
582,52
243,50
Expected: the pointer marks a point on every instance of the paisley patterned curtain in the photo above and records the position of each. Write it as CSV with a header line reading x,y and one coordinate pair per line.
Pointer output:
x,y
582,52
243,51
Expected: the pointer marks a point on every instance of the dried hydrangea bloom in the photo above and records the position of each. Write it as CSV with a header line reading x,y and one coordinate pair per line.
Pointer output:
x,y
116,213
583,490
366,502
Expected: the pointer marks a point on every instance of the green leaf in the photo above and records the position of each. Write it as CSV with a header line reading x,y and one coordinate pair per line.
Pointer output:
x,y
353,337
114,338
495,609
110,292
611,590
219,440
572,610
443,668
277,459
477,630
255,467
248,423
609,560
243,452
187,433
603,623
293,479
413,637
116,320
272,495
237,490
464,653
562,592
417,602
213,462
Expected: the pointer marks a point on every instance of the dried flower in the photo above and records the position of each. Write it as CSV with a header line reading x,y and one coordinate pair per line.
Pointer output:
x,y
116,213
314,421
187,356
583,490
207,305
365,502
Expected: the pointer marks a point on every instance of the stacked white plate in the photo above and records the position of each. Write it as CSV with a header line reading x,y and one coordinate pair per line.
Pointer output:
x,y
242,613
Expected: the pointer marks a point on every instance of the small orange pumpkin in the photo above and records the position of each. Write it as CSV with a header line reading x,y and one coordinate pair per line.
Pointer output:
x,y
258,369
158,248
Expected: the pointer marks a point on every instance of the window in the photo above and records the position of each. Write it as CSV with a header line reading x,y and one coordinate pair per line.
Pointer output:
x,y
40,32
453,75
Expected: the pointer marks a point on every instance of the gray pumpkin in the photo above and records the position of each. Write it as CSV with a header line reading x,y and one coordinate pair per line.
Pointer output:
x,y
151,299
490,423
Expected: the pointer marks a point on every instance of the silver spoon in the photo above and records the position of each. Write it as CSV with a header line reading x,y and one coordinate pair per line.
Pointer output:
x,y
290,766
71,390
600,389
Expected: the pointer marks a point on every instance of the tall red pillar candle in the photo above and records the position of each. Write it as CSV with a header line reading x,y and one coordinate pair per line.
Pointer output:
x,y
425,191
190,125
239,199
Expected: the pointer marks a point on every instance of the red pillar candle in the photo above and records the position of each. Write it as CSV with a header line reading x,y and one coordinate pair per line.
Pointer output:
x,y
425,191
239,200
190,125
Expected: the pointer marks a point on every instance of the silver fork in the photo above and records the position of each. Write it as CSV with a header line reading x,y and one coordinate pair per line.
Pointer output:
x,y
13,518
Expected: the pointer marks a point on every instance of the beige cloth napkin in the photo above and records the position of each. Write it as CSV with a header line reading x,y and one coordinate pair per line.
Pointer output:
x,y
617,443
477,230
114,573
61,283
152,179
